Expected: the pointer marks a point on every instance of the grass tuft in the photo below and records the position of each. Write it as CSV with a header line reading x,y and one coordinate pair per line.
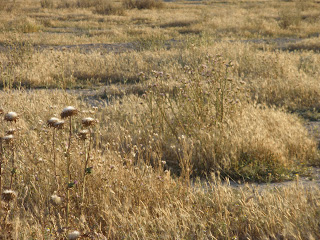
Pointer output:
x,y
143,4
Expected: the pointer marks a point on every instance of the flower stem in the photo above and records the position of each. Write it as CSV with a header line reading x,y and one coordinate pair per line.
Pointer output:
x,y
1,160
87,159
68,173
13,166
54,156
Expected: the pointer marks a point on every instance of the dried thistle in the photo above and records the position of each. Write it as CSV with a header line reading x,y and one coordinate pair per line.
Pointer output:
x,y
68,112
83,134
52,121
73,235
11,131
7,138
89,121
59,124
9,195
11,117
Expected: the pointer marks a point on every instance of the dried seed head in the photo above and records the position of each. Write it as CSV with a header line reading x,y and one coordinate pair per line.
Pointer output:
x,y
56,200
89,121
11,117
11,131
59,124
83,134
9,195
1,111
73,235
68,112
52,121
7,138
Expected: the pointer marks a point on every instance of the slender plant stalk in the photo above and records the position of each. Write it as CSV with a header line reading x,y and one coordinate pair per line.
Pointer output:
x,y
68,173
1,161
54,155
13,166
87,159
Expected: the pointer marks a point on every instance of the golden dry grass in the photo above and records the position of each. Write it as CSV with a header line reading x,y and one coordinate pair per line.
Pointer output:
x,y
126,198
185,91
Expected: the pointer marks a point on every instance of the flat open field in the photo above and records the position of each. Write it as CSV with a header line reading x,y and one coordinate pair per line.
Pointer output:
x,y
186,119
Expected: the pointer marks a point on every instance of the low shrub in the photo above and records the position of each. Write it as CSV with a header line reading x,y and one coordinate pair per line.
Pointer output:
x,y
206,124
105,7
289,18
8,5
47,3
143,4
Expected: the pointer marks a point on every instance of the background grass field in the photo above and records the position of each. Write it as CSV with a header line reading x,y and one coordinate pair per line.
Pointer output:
x,y
186,96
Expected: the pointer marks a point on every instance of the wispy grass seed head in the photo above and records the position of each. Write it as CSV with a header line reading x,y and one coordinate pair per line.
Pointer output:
x,y
56,200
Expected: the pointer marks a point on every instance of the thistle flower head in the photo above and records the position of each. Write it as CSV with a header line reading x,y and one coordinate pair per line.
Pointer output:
x,y
52,121
9,195
83,134
59,124
11,131
89,121
7,138
68,112
11,117
56,200
73,235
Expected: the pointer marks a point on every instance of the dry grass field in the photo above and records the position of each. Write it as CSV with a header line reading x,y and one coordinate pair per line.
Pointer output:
x,y
134,119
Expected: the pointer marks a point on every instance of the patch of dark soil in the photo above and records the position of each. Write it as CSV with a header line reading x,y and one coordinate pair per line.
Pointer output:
x,y
101,47
302,47
112,47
